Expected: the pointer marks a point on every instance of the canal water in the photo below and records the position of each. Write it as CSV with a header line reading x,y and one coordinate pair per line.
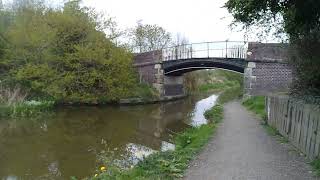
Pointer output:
x,y
76,141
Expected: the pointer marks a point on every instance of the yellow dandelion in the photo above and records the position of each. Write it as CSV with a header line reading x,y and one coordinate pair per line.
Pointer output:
x,y
95,175
103,168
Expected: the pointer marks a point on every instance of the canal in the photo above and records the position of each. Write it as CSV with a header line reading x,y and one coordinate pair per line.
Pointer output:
x,y
76,141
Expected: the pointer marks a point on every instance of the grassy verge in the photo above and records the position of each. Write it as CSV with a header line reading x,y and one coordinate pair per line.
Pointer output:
x,y
210,81
172,164
25,109
256,104
316,166
214,87
169,164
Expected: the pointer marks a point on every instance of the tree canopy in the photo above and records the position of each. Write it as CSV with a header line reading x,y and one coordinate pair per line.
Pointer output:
x,y
299,17
146,37
300,20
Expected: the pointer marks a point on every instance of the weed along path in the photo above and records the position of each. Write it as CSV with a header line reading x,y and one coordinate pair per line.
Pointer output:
x,y
242,149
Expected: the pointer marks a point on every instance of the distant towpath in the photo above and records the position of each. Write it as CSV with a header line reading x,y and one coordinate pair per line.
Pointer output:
x,y
242,150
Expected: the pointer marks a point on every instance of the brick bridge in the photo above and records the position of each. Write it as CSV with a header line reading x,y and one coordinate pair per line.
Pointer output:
x,y
263,65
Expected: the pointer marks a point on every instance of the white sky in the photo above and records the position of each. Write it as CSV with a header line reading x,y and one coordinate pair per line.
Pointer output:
x,y
201,20
197,20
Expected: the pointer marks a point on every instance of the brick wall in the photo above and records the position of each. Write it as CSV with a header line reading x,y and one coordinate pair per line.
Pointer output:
x,y
145,65
267,78
271,52
147,57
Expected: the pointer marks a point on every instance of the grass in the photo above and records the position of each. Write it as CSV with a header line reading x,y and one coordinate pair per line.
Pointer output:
x,y
169,164
230,94
25,109
14,103
172,164
216,86
208,81
316,166
256,104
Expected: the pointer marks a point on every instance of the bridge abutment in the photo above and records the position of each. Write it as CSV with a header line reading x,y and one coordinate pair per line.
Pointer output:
x,y
158,84
267,71
173,86
150,68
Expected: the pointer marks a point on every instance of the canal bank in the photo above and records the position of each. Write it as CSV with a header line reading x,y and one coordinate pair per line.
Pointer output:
x,y
173,163
78,140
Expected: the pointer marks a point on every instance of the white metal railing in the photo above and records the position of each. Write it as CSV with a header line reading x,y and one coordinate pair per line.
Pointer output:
x,y
219,49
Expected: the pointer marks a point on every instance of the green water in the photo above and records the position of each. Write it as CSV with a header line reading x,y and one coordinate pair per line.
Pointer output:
x,y
76,141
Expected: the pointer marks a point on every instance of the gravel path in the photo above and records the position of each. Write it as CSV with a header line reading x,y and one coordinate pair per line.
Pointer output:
x,y
242,149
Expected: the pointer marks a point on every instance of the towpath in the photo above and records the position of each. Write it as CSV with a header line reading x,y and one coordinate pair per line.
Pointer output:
x,y
242,150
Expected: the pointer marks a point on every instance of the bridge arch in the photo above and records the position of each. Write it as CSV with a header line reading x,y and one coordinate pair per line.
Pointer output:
x,y
179,67
263,65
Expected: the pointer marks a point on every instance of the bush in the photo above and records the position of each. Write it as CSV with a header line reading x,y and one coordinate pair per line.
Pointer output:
x,y
65,55
305,60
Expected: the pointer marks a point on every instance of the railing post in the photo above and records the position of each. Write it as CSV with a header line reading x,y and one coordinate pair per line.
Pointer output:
x,y
176,52
208,49
191,51
226,48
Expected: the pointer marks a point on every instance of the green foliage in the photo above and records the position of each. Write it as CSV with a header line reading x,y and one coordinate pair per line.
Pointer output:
x,y
148,37
316,166
144,91
305,60
169,164
5,21
257,105
217,86
230,94
65,55
215,114
212,80
301,22
25,109
13,103
300,17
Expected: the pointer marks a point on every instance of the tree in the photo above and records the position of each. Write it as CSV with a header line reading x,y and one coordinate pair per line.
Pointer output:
x,y
300,20
66,55
300,17
146,37
180,40
5,21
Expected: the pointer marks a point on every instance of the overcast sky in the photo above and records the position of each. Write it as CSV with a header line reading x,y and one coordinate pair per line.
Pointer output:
x,y
200,20
197,20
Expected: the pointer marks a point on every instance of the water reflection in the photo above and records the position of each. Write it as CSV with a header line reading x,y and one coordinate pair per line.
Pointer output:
x,y
75,141
201,107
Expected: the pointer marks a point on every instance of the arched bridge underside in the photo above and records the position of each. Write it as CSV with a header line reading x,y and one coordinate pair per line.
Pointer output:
x,y
179,67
